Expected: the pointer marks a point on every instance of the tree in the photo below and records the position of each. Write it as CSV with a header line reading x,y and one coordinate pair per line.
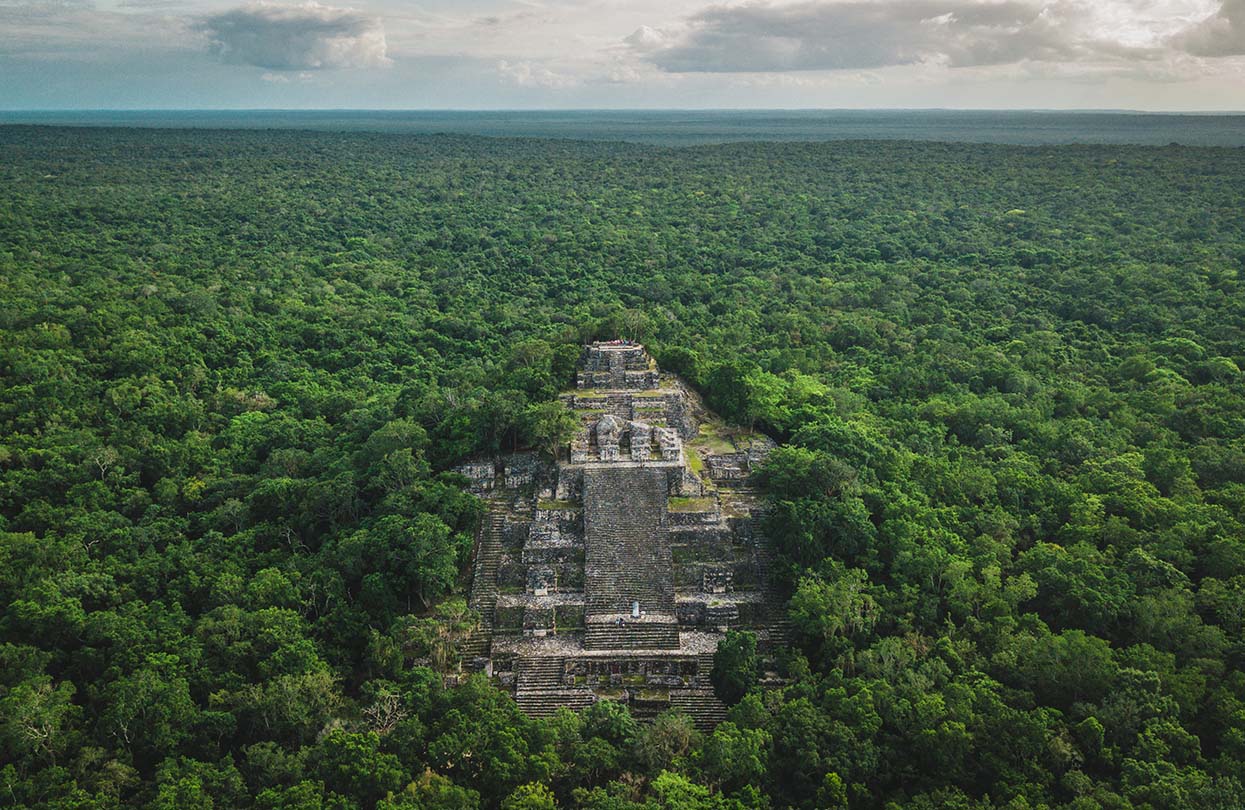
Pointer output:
x,y
532,796
549,426
150,711
667,741
736,666
36,718
477,735
745,394
441,635
432,791
354,766
734,757
836,606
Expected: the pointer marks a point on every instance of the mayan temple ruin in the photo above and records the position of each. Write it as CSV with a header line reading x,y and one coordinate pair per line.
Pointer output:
x,y
614,572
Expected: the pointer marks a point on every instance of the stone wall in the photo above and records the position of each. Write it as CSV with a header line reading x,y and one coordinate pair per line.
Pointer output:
x,y
572,545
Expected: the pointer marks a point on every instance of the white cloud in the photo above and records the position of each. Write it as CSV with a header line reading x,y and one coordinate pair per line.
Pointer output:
x,y
529,74
285,77
811,35
1151,54
303,37
77,32
1220,34
647,37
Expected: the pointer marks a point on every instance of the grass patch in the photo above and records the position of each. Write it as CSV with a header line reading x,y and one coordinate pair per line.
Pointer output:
x,y
557,505
691,504
711,437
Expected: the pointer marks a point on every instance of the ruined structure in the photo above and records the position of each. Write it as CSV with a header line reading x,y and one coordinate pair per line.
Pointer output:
x,y
614,572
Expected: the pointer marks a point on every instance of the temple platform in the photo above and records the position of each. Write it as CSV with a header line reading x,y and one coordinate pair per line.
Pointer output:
x,y
614,572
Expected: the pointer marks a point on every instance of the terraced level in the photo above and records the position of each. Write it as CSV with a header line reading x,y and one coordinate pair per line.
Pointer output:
x,y
621,565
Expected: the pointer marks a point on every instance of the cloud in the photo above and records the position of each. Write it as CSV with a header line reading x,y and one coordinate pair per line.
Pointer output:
x,y
285,77
647,37
529,74
77,32
1220,34
302,37
861,35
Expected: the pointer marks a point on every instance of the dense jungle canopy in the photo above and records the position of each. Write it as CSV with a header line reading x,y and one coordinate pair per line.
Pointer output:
x,y
237,367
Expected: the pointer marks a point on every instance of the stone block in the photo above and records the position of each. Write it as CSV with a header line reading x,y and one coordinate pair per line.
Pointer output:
x,y
721,615
482,474
508,618
540,580
690,613
716,580
569,616
537,621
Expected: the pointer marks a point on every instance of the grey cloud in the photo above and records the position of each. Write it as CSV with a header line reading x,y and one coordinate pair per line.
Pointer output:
x,y
866,35
1221,34
303,37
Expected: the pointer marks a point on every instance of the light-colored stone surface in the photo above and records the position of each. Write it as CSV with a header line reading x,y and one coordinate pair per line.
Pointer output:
x,y
623,517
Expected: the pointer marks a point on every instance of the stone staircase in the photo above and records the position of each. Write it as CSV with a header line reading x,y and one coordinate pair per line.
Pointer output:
x,y
627,554
540,690
619,404
627,559
545,702
704,667
763,563
535,673
781,631
701,704
632,636
483,596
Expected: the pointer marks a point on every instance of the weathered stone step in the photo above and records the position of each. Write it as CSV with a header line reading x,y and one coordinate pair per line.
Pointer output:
x,y
702,705
539,673
482,597
781,633
627,555
704,670
636,636
544,702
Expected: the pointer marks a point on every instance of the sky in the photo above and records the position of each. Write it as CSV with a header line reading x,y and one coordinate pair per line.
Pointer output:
x,y
1178,55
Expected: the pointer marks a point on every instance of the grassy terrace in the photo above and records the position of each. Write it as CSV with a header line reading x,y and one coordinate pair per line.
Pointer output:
x,y
714,437
557,505
695,462
651,393
691,504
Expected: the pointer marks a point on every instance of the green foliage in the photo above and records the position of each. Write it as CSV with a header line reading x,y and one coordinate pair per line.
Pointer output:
x,y
736,666
236,367
532,796
353,765
432,792
549,425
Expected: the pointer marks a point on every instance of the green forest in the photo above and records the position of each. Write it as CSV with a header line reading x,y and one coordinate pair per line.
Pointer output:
x,y
237,369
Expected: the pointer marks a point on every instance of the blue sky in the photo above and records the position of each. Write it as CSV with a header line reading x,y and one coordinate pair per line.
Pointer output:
x,y
488,54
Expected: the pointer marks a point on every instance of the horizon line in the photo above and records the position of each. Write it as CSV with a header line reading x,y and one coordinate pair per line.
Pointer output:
x,y
528,110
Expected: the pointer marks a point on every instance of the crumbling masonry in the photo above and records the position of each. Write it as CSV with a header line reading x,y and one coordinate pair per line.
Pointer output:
x,y
614,572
